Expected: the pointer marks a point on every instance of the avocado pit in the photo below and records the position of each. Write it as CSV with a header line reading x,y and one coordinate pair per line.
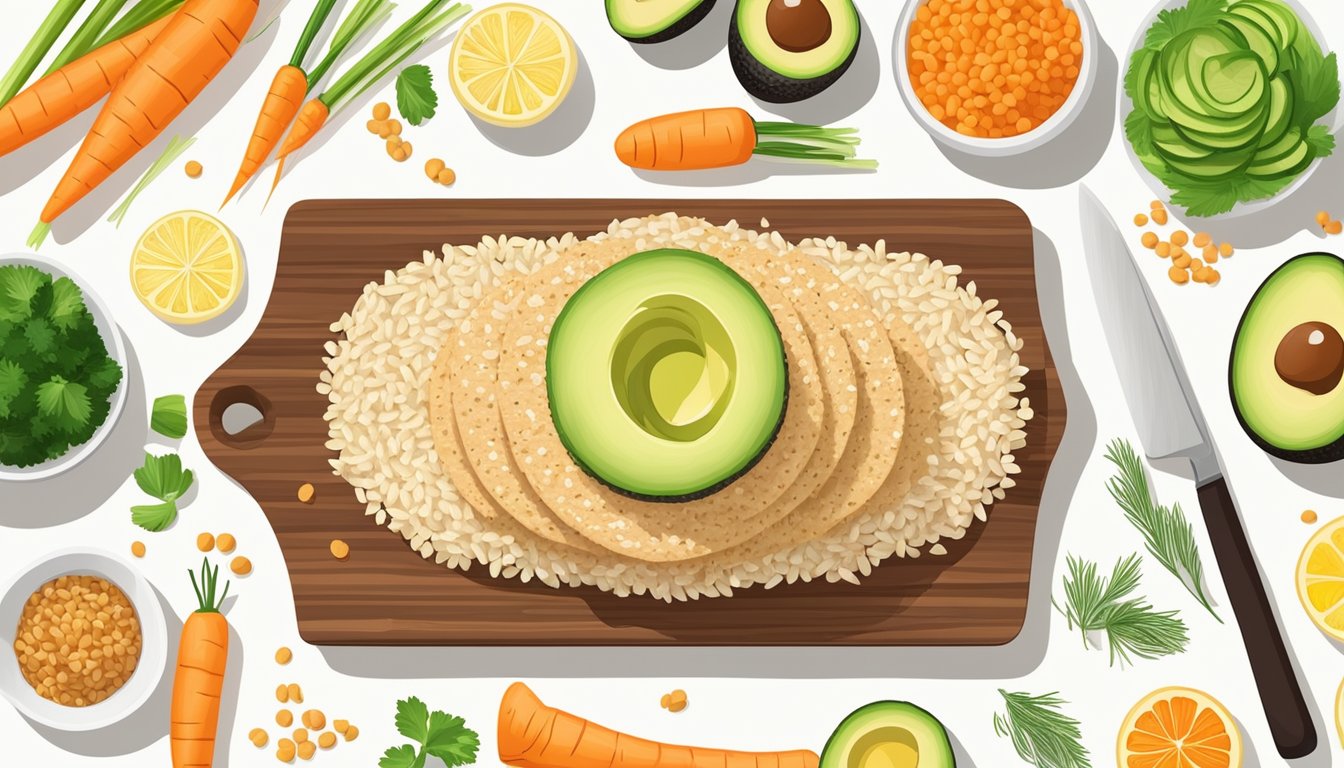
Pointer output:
x,y
798,26
1311,357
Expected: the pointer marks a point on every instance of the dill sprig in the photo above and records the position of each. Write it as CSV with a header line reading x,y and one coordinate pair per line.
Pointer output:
x,y
1167,534
1042,735
1131,625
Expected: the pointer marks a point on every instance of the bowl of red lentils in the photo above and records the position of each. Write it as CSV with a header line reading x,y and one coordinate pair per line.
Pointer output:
x,y
86,637
996,77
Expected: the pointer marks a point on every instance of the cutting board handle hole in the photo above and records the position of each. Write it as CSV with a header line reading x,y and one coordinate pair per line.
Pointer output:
x,y
241,417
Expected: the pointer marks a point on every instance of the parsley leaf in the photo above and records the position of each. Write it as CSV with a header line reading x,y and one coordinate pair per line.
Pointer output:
x,y
41,337
1173,21
451,740
66,403
12,381
67,304
154,517
436,734
18,288
163,477
169,416
416,99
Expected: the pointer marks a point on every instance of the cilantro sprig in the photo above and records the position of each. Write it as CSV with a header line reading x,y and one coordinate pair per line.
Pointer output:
x,y
163,478
56,376
436,734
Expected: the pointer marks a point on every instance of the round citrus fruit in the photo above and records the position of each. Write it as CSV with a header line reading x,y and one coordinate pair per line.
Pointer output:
x,y
512,65
1339,711
1179,727
1320,578
187,268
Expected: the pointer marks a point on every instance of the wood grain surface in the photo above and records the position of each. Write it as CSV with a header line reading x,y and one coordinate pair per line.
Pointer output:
x,y
386,594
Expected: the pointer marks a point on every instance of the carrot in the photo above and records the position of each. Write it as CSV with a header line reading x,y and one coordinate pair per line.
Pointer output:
x,y
182,60
202,657
728,136
533,735
400,44
61,95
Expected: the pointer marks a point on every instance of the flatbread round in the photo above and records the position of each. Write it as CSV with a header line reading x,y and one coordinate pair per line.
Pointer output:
x,y
647,530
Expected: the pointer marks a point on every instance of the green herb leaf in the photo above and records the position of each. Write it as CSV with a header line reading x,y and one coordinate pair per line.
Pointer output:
x,y
1132,626
154,517
163,477
169,416
1167,534
1173,21
66,403
1316,81
413,719
1042,735
416,99
18,287
401,757
67,304
450,740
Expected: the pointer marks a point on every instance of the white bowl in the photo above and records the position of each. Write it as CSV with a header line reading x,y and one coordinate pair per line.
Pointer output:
x,y
153,647
107,328
1162,191
1009,145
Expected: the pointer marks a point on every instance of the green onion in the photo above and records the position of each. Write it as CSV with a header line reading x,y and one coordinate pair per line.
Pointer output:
x,y
93,26
143,14
169,416
810,144
393,50
366,15
62,11
316,20
174,150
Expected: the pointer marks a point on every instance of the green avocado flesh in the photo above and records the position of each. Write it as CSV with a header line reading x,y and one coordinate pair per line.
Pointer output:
x,y
1226,102
1287,360
666,375
789,50
889,734
655,21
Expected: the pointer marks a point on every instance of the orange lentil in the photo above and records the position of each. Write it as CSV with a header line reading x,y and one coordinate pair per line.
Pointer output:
x,y
1156,205
1163,249
1309,516
205,542
1180,237
382,110
994,68
1202,239
1182,261
1225,250
1210,254
1334,228
193,169
1322,218
138,548
1160,216
1149,240
1140,219
1178,276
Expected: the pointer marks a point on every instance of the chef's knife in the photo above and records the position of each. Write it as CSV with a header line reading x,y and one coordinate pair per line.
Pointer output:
x,y
1170,425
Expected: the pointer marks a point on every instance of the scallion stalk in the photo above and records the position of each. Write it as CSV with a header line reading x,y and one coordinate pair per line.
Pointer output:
x,y
62,11
810,144
141,15
174,150
316,20
365,15
95,24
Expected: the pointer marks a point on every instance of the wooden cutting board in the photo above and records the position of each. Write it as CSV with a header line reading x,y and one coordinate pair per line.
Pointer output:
x,y
386,594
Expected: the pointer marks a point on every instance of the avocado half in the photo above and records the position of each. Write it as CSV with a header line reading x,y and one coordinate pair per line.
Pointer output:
x,y
655,21
889,734
789,50
1287,361
666,376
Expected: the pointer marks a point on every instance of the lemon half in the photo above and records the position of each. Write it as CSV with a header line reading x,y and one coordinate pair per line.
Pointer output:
x,y
187,268
512,65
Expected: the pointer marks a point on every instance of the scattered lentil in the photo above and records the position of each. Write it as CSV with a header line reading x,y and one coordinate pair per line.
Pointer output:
x,y
285,750
306,492
284,718
258,737
226,543
314,719
339,549
240,565
205,541
1309,517
326,740
138,548
194,169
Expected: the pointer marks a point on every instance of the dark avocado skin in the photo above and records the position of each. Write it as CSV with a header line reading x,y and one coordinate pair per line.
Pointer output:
x,y
770,86
1326,454
681,27
713,489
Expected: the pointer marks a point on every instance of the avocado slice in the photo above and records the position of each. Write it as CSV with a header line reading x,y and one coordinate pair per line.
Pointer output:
x,y
1288,360
655,21
789,50
889,734
666,376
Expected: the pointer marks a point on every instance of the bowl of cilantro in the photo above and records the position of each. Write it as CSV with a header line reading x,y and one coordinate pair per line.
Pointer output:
x,y
62,369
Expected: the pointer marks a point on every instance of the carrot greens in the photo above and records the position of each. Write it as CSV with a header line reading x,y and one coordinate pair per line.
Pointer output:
x,y
171,153
62,12
141,15
94,25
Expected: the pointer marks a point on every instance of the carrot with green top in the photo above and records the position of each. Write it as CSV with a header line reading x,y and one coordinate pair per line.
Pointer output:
x,y
197,43
292,83
404,41
58,97
198,682
728,136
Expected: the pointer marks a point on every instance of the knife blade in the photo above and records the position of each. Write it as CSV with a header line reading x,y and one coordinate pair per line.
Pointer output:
x,y
1170,425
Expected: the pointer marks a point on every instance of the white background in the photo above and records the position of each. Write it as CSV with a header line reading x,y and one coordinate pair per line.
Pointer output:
x,y
742,698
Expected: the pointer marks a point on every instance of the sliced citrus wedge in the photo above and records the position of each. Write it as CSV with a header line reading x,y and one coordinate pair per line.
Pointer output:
x,y
1320,578
1179,727
187,268
512,65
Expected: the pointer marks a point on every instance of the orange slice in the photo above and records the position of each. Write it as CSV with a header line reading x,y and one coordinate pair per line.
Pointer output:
x,y
1179,728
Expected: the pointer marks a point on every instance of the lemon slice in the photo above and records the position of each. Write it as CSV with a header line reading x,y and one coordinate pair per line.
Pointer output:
x,y
1320,578
187,268
512,65
1339,711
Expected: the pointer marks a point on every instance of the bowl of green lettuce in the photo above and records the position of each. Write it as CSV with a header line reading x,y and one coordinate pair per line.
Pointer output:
x,y
62,369
1229,105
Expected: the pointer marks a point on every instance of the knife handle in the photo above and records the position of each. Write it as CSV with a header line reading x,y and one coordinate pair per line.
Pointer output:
x,y
1280,695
